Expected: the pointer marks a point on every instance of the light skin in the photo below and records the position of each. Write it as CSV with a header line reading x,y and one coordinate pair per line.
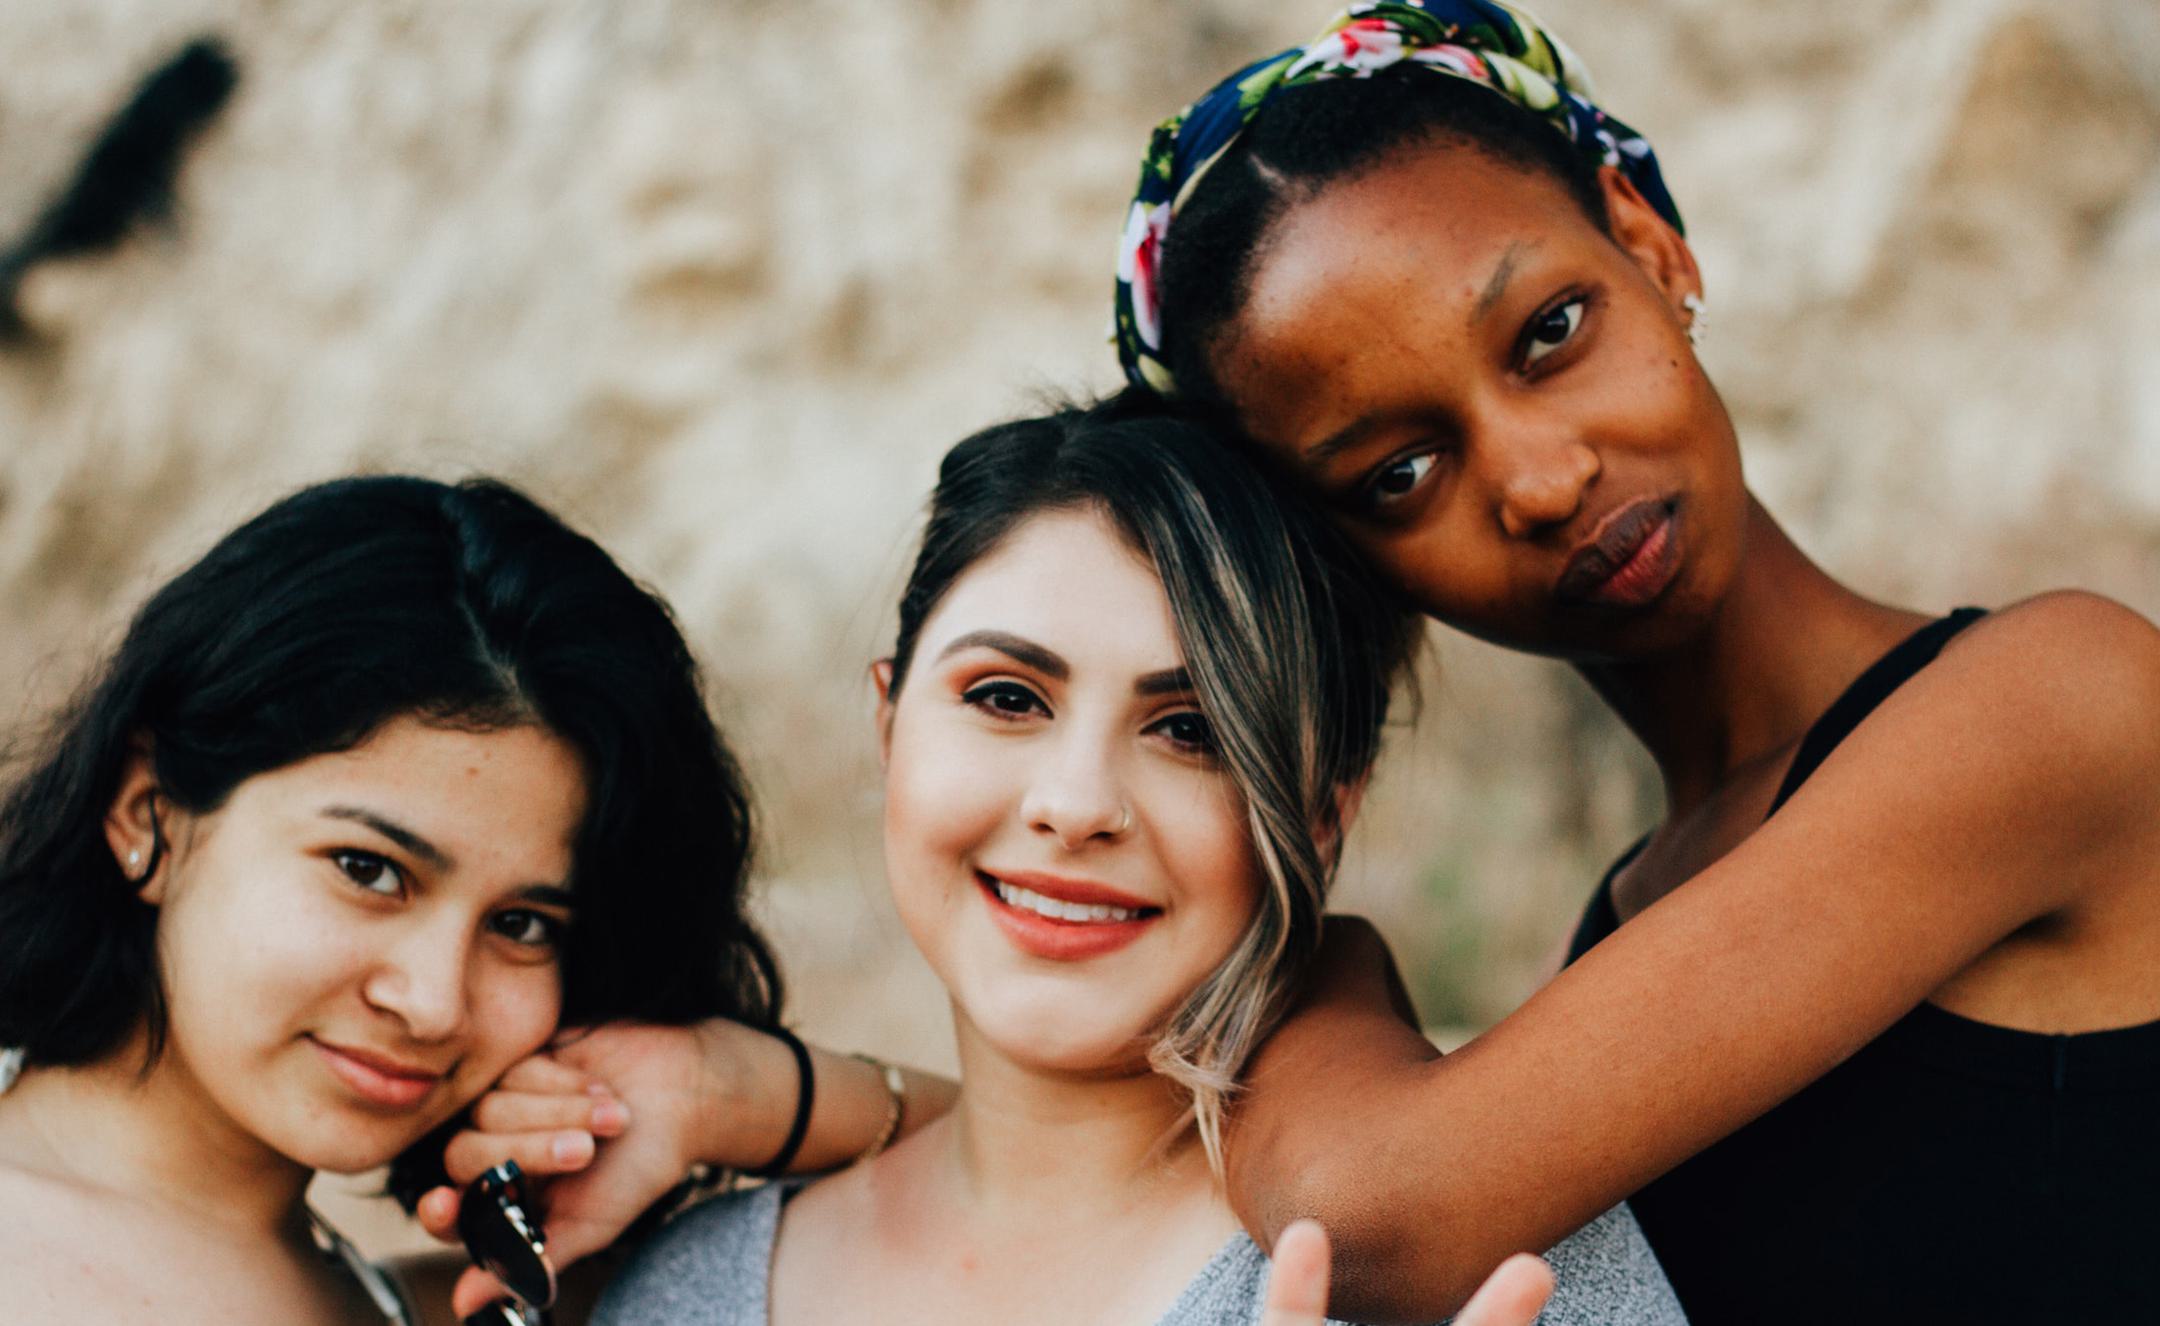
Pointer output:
x,y
352,947
1043,729
1475,379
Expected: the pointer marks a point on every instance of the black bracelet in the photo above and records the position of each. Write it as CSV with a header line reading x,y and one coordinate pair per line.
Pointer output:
x,y
805,1095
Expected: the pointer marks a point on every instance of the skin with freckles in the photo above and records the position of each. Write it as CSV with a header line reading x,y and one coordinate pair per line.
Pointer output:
x,y
352,947
1499,403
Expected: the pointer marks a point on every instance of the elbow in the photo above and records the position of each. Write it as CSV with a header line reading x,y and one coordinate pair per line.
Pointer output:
x,y
1397,1256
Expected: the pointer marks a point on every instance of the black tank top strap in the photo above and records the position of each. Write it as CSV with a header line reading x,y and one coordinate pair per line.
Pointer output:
x,y
1872,687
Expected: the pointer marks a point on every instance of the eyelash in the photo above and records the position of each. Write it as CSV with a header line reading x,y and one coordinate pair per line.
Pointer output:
x,y
347,859
982,697
1525,359
355,863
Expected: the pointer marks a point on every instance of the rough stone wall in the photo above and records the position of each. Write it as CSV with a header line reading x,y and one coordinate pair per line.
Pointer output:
x,y
721,281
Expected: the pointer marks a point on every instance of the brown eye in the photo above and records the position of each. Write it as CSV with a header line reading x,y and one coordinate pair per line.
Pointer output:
x,y
1003,699
1552,329
370,872
1398,479
1189,731
527,928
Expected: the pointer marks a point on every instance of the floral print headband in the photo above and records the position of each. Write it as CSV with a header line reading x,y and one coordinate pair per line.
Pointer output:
x,y
1489,42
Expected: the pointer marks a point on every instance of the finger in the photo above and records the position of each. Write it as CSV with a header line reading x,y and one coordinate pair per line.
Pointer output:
x,y
502,1111
437,1213
474,1290
1298,1281
545,1073
1510,1296
560,1151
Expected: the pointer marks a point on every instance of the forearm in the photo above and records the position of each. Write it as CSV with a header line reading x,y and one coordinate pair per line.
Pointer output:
x,y
751,1102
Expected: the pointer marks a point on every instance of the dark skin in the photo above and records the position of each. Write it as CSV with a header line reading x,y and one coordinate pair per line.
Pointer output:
x,y
1480,382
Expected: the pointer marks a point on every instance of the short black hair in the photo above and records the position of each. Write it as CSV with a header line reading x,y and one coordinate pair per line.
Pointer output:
x,y
1304,139
343,607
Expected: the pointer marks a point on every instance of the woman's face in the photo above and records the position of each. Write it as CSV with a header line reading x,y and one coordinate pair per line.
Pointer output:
x,y
1497,400
1063,844
355,945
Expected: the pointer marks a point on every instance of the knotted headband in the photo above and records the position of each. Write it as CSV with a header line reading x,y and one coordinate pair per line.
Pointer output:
x,y
1489,42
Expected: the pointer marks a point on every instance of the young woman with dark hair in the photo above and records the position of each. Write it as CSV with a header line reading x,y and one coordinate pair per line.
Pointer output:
x,y
1865,1025
395,779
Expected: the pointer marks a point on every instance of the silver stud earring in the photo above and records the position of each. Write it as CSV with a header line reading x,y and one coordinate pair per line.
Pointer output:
x,y
134,858
1693,303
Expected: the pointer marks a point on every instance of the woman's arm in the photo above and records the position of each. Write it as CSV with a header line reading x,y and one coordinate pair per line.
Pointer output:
x,y
2013,779
718,1093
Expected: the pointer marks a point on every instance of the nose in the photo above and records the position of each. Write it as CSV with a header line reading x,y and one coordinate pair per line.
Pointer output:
x,y
421,978
1077,794
1539,481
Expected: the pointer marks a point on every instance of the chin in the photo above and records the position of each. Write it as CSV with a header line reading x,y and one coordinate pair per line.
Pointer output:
x,y
1066,1035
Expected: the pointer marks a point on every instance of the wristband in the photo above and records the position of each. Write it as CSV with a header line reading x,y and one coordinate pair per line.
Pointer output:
x,y
805,1094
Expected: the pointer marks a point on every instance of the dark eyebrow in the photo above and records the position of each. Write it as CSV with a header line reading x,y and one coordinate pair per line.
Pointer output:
x,y
1337,442
395,832
549,895
1014,647
1497,285
1170,681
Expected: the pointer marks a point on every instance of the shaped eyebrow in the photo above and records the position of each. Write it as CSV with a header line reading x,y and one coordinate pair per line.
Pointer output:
x,y
395,832
1170,681
1014,647
1496,285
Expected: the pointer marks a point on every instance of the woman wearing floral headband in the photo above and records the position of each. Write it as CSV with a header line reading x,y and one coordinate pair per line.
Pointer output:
x,y
1866,1023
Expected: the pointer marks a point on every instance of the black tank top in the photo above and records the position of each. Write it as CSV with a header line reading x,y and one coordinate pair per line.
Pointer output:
x,y
1949,1171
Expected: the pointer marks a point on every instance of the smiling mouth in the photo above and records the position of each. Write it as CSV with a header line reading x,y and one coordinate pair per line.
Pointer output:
x,y
375,1081
1084,924
1629,558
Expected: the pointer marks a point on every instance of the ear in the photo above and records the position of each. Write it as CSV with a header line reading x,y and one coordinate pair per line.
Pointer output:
x,y
1349,798
1650,240
881,676
132,827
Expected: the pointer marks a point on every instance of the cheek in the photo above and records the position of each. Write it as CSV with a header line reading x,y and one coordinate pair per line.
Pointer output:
x,y
248,963
515,1010
1216,873
946,794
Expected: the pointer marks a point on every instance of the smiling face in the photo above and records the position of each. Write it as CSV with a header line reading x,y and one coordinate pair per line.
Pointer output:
x,y
353,946
1497,400
1063,845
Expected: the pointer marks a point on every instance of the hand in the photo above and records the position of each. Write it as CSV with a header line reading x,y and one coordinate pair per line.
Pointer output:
x,y
604,1123
1298,1285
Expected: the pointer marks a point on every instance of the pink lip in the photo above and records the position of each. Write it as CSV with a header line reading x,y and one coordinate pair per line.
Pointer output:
x,y
376,1079
1628,560
1065,941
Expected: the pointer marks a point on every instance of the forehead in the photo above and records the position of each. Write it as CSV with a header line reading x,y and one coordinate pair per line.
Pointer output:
x,y
1068,579
1384,270
508,800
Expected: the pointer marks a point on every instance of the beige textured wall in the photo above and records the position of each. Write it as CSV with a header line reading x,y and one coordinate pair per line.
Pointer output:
x,y
721,281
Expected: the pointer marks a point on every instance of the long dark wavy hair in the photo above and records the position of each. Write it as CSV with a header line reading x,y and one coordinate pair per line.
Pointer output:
x,y
302,632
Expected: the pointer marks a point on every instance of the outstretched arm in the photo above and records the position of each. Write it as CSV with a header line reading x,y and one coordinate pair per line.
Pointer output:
x,y
1921,842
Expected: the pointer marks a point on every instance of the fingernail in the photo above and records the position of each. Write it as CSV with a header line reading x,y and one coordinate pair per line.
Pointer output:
x,y
571,1148
502,1312
610,1116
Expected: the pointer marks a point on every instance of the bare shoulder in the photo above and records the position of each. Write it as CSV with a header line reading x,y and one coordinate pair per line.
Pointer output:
x,y
2069,669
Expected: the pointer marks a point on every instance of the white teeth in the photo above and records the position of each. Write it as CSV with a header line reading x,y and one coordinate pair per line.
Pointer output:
x,y
1057,910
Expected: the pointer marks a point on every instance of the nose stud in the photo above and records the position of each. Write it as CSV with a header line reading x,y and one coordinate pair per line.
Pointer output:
x,y
1124,820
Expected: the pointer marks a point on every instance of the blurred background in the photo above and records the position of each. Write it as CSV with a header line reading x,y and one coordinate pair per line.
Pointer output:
x,y
721,281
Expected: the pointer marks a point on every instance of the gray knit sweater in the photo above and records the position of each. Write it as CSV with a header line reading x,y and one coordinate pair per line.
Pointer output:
x,y
712,1266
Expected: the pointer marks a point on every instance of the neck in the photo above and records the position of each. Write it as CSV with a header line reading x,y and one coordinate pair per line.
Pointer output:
x,y
1779,648
1085,1150
145,1137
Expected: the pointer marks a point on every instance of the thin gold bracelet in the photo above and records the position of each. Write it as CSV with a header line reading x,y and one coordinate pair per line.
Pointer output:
x,y
895,1106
